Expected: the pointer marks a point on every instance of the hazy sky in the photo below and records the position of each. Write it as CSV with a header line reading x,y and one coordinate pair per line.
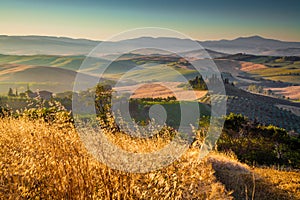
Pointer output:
x,y
201,20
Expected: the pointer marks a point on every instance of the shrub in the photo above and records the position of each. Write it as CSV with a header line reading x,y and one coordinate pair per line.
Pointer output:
x,y
254,143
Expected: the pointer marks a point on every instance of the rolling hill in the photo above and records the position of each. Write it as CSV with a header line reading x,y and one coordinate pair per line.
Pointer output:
x,y
260,108
38,77
66,62
242,69
274,68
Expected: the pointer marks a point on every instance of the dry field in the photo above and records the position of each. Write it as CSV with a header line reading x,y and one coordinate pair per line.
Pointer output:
x,y
48,161
255,183
161,89
42,161
293,92
249,66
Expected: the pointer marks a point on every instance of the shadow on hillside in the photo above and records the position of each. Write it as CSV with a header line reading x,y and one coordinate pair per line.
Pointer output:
x,y
244,183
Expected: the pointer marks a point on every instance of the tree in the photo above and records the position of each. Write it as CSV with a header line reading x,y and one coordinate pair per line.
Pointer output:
x,y
103,95
252,142
22,95
28,91
255,88
226,81
10,92
198,83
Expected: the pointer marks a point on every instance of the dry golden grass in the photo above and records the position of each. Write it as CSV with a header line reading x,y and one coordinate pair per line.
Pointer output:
x,y
48,161
257,183
140,145
288,181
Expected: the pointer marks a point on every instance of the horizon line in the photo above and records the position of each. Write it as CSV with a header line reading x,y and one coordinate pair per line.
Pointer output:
x,y
97,40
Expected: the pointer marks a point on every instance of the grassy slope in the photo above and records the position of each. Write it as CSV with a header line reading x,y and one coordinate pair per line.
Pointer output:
x,y
159,72
36,69
67,62
43,78
173,111
53,79
58,166
255,183
279,69
261,108
49,161
44,72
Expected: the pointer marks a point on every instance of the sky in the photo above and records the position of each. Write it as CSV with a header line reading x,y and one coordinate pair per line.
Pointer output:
x,y
200,20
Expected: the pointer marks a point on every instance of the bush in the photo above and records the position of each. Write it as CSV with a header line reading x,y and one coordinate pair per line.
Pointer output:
x,y
4,112
254,143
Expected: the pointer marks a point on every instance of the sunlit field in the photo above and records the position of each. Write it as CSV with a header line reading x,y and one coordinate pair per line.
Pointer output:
x,y
41,160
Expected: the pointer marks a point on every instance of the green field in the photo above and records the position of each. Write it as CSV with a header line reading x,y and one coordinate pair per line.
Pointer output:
x,y
285,69
66,62
172,108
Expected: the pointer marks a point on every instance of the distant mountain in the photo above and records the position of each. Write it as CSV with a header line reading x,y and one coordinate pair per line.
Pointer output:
x,y
252,45
32,45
